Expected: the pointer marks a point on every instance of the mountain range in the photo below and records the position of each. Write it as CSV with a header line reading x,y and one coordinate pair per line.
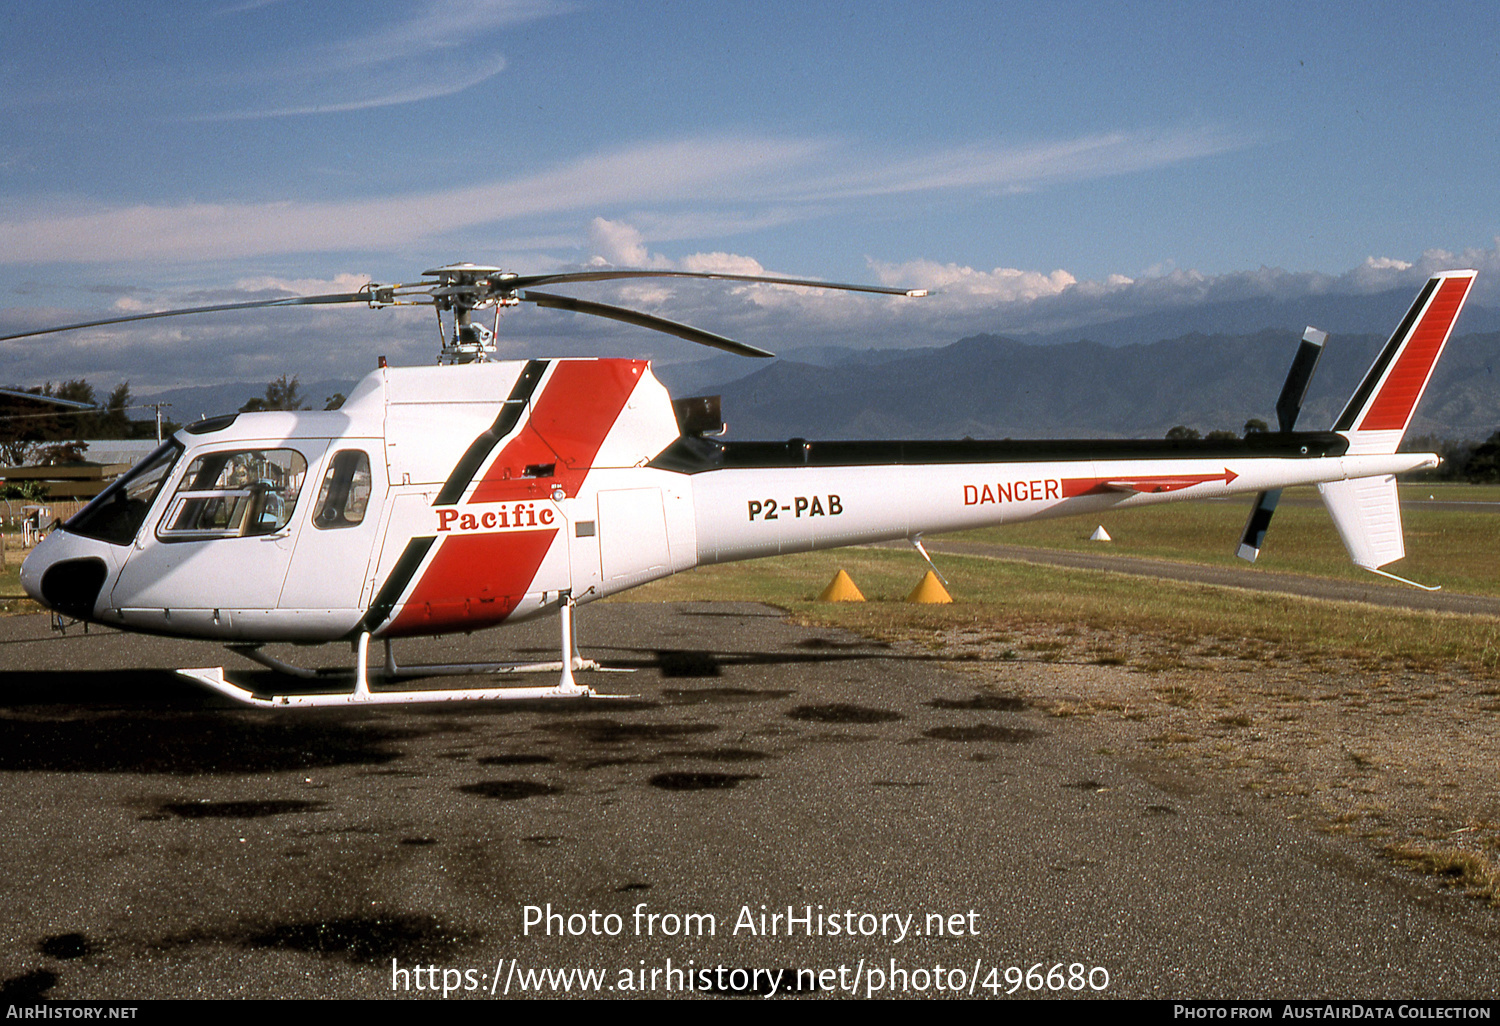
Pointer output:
x,y
1212,366
987,386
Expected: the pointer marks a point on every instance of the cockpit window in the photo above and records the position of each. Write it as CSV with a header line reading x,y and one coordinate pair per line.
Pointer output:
x,y
116,514
235,494
346,491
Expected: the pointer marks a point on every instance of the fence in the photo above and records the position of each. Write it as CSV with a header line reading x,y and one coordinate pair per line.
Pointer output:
x,y
17,536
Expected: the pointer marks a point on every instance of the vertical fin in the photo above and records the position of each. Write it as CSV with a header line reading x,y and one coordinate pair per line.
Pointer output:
x,y
1378,413
1367,516
1367,513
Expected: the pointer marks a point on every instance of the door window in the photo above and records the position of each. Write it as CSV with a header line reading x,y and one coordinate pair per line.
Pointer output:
x,y
346,491
235,494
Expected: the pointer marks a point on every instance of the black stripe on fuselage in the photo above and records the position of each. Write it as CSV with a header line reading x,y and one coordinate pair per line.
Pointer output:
x,y
693,455
390,592
1366,388
480,449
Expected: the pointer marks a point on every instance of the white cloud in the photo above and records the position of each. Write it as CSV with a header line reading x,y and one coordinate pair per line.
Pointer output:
x,y
440,25
303,286
1485,261
681,186
1017,167
617,244
388,64
1003,284
388,90
706,169
968,300
720,262
260,346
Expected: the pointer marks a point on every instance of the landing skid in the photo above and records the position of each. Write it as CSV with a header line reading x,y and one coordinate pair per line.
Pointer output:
x,y
213,677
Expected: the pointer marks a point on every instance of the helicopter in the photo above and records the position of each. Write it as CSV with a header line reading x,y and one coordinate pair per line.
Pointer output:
x,y
481,492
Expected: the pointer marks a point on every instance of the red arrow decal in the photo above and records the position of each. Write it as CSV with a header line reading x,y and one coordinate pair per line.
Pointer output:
x,y
1072,486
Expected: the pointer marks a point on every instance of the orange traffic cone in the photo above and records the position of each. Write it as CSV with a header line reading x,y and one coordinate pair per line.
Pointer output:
x,y
930,589
841,589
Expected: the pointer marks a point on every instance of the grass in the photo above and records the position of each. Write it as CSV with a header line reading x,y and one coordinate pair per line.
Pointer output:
x,y
1451,491
998,595
1474,872
13,599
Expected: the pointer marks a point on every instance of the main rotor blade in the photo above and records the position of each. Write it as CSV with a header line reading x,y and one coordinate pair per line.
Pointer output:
x,y
643,320
528,280
336,297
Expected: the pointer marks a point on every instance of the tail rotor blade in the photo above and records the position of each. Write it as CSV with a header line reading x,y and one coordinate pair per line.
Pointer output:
x,y
1255,528
1289,404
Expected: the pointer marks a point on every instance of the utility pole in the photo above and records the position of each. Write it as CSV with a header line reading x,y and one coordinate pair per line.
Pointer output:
x,y
157,407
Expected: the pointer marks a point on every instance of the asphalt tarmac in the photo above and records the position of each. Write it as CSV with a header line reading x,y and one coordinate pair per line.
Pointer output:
x,y
159,843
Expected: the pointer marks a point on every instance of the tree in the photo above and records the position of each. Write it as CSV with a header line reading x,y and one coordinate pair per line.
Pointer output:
x,y
1183,432
28,425
1455,453
281,394
61,452
1256,426
114,422
77,391
26,491
1484,464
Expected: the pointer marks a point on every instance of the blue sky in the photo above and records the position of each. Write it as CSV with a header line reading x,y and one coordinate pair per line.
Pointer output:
x,y
1098,157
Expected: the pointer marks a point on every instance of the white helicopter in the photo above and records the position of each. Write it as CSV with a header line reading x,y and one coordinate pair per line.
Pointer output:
x,y
452,498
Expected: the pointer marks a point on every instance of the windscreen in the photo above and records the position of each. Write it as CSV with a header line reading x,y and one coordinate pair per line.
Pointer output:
x,y
116,514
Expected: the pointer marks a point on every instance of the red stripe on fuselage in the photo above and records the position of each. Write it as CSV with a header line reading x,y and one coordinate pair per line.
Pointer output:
x,y
568,423
474,581
1391,409
477,580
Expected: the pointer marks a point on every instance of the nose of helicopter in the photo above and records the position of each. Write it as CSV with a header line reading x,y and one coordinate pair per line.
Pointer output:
x,y
67,573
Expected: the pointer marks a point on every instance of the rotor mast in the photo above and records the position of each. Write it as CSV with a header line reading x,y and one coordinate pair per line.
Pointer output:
x,y
462,289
